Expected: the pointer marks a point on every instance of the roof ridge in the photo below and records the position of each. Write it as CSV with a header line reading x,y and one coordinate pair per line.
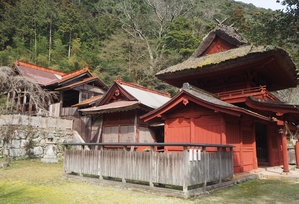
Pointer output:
x,y
34,66
79,82
188,86
76,72
120,81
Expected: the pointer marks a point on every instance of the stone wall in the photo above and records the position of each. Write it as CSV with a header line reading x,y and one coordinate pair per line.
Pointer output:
x,y
31,136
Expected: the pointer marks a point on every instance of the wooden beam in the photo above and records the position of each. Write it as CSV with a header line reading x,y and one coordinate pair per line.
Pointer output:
x,y
285,152
13,101
30,105
99,135
7,101
297,154
24,102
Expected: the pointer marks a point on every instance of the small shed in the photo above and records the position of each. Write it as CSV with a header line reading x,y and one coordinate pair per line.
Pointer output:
x,y
115,118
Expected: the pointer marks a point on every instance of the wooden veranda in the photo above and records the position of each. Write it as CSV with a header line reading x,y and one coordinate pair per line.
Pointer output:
x,y
191,171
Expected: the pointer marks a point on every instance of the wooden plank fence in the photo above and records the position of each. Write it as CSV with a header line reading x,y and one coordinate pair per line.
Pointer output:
x,y
190,169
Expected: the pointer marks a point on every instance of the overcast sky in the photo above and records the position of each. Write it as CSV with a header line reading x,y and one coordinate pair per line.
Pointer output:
x,y
268,4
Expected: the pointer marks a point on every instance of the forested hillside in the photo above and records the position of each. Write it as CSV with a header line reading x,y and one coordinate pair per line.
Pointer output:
x,y
131,39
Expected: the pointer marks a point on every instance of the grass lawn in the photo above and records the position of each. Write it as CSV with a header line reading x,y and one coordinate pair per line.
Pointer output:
x,y
31,181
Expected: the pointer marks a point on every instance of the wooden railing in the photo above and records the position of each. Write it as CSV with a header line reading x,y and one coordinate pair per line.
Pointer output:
x,y
193,170
241,94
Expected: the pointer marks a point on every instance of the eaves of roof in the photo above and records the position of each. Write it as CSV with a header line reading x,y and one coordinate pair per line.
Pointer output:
x,y
273,106
84,81
117,106
206,99
75,74
88,102
225,60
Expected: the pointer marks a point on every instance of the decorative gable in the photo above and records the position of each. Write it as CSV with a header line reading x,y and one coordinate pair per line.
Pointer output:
x,y
218,45
220,39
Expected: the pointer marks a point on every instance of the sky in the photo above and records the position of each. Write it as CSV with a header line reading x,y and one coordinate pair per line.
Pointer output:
x,y
268,4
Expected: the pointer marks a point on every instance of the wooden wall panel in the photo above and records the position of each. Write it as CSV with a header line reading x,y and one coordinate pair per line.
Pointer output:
x,y
207,130
177,130
110,134
274,146
127,134
233,138
146,135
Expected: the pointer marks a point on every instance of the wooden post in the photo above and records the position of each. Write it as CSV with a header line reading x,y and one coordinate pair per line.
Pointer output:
x,y
220,166
30,105
65,147
60,104
99,131
18,103
124,170
13,101
232,160
24,103
82,161
8,101
186,171
135,131
297,154
152,167
285,152
100,162
204,160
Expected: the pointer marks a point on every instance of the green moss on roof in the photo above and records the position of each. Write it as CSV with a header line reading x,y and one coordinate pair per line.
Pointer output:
x,y
217,58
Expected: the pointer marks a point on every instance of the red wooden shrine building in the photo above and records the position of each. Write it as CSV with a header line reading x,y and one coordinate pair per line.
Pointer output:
x,y
116,116
227,100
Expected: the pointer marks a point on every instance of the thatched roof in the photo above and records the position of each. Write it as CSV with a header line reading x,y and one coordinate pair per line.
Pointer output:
x,y
282,63
227,57
227,33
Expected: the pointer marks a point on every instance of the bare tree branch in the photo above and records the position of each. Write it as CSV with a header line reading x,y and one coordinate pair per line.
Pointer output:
x,y
10,82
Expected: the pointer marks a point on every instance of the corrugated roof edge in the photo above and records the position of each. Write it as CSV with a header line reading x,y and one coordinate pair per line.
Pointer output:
x,y
118,80
34,66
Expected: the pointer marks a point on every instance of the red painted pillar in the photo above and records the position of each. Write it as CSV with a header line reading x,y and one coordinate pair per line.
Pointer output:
x,y
285,152
297,154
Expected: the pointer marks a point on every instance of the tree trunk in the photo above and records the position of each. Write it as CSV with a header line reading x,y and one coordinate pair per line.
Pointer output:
x,y
50,41
70,41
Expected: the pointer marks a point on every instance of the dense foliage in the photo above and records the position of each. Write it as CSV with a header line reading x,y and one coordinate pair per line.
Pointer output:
x,y
132,39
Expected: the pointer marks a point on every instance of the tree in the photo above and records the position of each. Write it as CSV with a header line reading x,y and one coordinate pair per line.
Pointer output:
x,y
146,20
179,38
12,83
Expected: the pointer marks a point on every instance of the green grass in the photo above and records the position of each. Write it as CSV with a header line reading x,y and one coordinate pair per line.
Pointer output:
x,y
31,181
